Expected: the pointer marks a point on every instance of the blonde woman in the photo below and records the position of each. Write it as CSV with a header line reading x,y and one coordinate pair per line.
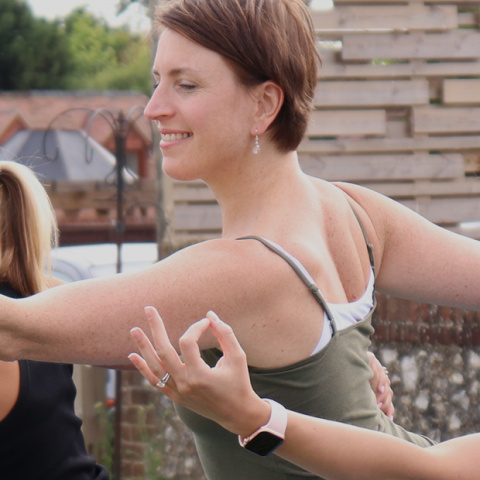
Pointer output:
x,y
39,432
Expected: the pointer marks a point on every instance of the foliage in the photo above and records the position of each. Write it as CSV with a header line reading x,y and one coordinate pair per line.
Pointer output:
x,y
152,459
106,58
106,447
33,52
81,53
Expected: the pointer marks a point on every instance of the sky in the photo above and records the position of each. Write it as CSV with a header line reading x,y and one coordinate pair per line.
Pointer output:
x,y
134,17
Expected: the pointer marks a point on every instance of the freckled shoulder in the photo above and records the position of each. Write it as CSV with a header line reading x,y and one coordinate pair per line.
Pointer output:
x,y
235,261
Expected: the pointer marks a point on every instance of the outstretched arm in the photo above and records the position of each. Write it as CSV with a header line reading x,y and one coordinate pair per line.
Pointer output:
x,y
332,450
415,258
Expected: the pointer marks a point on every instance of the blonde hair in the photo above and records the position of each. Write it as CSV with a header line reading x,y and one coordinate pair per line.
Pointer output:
x,y
28,229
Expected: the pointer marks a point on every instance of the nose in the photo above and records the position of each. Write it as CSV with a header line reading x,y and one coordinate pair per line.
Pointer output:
x,y
159,105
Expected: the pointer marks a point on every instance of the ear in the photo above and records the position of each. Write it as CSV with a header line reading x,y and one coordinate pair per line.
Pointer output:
x,y
269,97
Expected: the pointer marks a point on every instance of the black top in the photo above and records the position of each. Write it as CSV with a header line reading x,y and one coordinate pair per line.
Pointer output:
x,y
41,438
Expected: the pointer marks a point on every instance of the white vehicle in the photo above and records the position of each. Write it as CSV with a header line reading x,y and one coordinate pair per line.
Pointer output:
x,y
90,261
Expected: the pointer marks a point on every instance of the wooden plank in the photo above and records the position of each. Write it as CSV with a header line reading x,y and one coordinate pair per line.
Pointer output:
x,y
468,229
461,91
194,223
192,192
192,217
98,195
468,20
355,168
459,44
445,120
327,123
468,3
372,94
445,211
391,145
402,18
333,69
373,171
465,188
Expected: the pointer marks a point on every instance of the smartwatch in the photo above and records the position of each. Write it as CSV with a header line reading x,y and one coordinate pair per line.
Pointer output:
x,y
271,435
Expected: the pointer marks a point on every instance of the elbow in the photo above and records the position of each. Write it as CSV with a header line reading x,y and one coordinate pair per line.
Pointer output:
x,y
10,355
10,349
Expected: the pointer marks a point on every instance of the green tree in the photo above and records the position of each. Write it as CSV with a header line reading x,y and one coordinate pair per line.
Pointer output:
x,y
80,53
33,53
105,58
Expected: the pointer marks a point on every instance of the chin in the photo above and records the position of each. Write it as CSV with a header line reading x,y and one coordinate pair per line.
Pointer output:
x,y
178,171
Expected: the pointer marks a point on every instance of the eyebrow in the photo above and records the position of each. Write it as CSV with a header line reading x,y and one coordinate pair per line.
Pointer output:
x,y
175,72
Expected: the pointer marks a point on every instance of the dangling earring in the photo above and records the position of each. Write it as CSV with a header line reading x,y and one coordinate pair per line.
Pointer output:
x,y
256,147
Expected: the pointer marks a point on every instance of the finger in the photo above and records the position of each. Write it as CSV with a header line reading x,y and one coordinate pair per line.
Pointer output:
x,y
164,350
159,332
145,346
151,377
390,411
143,368
226,337
189,345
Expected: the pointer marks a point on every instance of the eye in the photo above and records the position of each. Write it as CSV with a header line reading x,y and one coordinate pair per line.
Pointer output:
x,y
184,85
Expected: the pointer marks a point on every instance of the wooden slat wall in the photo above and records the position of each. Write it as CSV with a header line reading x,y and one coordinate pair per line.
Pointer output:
x,y
397,109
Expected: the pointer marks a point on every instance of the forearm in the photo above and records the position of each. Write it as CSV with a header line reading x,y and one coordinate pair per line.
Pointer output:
x,y
341,452
337,451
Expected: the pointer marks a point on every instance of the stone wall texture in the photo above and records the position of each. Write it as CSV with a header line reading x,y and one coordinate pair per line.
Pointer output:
x,y
433,358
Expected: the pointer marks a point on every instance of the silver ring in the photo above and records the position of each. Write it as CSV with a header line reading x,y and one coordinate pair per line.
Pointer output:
x,y
163,381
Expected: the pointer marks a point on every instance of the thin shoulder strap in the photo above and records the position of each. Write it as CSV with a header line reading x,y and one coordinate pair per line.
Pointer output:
x,y
369,245
369,249
301,271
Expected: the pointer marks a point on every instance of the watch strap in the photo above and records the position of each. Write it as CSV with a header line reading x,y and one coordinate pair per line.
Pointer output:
x,y
277,424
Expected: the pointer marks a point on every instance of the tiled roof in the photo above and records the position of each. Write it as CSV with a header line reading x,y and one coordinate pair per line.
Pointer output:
x,y
40,108
60,155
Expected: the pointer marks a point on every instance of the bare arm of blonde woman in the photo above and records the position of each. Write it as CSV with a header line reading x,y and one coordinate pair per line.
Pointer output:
x,y
416,259
329,449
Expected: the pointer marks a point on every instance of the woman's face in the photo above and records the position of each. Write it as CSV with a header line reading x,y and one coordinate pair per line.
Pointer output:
x,y
204,116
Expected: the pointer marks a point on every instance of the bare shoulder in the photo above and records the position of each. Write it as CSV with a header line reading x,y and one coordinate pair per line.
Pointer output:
x,y
371,202
218,257
372,209
246,284
218,275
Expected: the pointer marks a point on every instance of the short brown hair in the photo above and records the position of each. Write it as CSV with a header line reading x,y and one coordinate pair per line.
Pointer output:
x,y
263,40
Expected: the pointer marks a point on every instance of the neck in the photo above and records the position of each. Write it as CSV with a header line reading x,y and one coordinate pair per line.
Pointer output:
x,y
250,194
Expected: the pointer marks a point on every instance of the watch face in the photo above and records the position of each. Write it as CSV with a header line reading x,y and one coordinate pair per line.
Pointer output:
x,y
264,443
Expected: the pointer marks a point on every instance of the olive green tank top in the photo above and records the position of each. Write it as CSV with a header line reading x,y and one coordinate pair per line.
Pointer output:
x,y
331,384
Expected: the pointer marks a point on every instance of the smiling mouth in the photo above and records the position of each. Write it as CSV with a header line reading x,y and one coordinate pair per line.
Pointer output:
x,y
169,137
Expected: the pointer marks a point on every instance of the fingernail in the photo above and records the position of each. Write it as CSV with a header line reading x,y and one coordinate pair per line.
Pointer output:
x,y
382,388
135,333
379,404
213,316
